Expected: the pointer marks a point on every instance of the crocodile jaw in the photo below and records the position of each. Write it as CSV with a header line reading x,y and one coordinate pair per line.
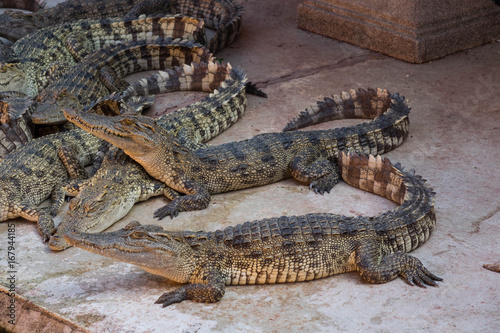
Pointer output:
x,y
12,78
143,246
136,135
104,213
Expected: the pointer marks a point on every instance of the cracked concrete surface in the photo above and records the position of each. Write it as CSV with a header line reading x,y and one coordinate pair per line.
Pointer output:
x,y
454,140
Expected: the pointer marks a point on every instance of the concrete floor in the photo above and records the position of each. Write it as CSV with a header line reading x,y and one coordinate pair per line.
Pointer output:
x,y
454,140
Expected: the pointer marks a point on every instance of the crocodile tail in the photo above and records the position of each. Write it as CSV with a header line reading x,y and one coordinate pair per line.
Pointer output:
x,y
224,16
407,226
194,77
364,104
32,5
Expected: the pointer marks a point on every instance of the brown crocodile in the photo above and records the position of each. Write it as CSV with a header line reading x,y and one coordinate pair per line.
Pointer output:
x,y
308,156
30,174
223,16
48,53
15,25
103,71
121,182
287,248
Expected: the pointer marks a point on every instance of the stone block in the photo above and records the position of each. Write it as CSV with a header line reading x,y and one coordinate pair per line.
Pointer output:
x,y
415,31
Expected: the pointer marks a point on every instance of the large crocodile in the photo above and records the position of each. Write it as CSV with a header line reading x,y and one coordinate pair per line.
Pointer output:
x,y
223,16
121,182
102,72
15,25
48,53
308,156
287,248
30,174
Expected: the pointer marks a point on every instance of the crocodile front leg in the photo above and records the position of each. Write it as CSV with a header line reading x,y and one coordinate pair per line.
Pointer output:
x,y
196,198
210,290
309,167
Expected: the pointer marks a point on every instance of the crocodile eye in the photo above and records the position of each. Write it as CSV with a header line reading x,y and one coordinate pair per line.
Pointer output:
x,y
131,225
127,122
74,203
139,234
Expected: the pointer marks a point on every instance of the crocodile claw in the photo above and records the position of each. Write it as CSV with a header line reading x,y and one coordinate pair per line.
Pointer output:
x,y
172,297
420,276
167,210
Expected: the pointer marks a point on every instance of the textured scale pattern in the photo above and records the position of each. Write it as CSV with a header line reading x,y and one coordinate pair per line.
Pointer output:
x,y
31,173
85,81
67,44
120,182
308,156
221,15
288,248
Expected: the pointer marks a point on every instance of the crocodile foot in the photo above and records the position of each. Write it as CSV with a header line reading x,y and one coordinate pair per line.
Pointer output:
x,y
167,210
172,297
324,184
416,274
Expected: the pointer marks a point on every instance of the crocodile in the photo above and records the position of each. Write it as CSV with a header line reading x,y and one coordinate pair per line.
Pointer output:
x,y
223,16
48,53
102,72
287,248
308,156
121,182
30,174
16,25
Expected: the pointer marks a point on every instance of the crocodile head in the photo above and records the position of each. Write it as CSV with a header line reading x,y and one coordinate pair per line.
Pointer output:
x,y
15,25
94,209
12,78
139,136
147,246
50,105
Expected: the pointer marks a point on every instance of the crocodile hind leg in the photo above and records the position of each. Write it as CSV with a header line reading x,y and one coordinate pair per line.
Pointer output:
x,y
111,80
375,267
210,290
309,167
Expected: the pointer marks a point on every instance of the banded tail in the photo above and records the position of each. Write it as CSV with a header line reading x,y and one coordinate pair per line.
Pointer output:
x,y
361,104
407,226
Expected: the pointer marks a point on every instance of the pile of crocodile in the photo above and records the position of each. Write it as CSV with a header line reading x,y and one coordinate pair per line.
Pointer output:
x,y
64,75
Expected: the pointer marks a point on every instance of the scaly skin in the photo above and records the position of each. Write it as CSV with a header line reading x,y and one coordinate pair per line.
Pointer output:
x,y
287,248
31,173
309,157
224,16
102,72
48,53
15,25
121,182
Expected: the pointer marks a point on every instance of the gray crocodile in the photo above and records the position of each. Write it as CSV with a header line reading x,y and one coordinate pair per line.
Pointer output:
x,y
308,156
287,248
109,195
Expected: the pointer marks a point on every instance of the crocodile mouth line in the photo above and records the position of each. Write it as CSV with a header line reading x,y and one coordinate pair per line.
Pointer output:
x,y
92,128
